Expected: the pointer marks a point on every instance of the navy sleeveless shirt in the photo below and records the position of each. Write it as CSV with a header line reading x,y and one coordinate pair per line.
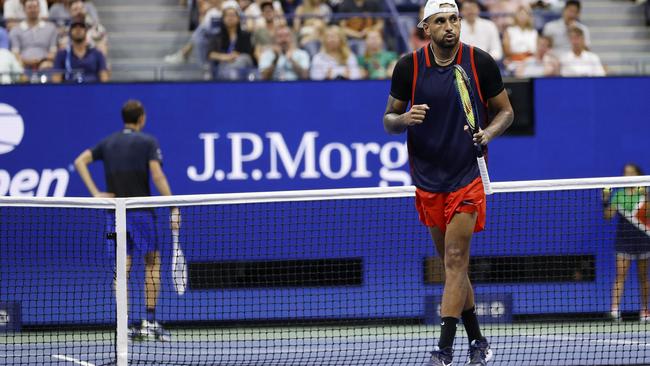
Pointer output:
x,y
441,154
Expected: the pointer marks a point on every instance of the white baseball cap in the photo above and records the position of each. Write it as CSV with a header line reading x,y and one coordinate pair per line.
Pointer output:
x,y
438,6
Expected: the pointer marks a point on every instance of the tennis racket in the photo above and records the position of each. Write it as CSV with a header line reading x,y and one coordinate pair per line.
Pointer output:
x,y
468,105
179,265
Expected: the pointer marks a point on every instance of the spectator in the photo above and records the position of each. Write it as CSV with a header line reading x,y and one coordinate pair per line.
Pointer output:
x,y
253,13
502,12
33,40
357,26
311,18
630,206
478,32
232,49
542,63
289,7
335,59
60,12
96,32
284,61
14,11
559,29
519,39
210,18
10,69
79,62
579,61
377,62
263,36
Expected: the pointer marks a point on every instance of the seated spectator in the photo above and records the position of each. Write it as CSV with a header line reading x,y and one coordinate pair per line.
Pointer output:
x,y
519,39
60,12
253,14
14,12
311,18
502,12
209,26
263,36
478,32
284,61
33,40
232,50
558,29
542,63
79,62
357,26
289,7
579,61
335,59
377,62
11,70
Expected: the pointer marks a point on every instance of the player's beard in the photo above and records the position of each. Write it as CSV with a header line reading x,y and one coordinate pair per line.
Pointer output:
x,y
446,42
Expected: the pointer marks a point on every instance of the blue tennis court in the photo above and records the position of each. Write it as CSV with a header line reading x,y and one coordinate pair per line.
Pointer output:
x,y
568,344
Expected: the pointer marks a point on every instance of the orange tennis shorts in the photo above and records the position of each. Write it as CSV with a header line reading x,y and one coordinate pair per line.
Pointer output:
x,y
437,209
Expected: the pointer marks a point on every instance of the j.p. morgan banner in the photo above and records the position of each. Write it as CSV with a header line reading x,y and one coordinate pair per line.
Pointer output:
x,y
214,137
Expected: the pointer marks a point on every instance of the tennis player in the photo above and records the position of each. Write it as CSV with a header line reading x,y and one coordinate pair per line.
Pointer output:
x,y
130,158
630,206
449,196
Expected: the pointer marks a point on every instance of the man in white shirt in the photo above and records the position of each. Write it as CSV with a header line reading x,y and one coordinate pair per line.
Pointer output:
x,y
479,32
284,61
14,11
559,29
579,61
33,41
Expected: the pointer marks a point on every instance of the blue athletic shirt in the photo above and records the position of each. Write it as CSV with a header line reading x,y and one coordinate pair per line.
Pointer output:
x,y
441,155
126,155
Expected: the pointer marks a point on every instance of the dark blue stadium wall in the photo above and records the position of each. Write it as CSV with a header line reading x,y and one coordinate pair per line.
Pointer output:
x,y
584,128
272,136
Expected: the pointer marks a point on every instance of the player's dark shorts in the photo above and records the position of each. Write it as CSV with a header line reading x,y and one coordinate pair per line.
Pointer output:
x,y
631,242
141,231
437,209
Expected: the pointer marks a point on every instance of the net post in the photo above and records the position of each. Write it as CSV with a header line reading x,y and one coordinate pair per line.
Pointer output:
x,y
122,346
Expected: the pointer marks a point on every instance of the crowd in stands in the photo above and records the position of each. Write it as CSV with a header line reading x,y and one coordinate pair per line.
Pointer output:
x,y
350,39
56,41
63,40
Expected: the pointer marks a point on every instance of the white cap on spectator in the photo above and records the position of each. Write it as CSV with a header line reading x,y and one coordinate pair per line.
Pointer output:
x,y
438,6
230,4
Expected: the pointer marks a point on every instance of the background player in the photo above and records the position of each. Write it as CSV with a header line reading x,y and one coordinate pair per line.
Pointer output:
x,y
449,195
130,158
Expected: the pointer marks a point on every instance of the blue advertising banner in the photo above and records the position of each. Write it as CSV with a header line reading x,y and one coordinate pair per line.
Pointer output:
x,y
10,320
214,137
490,308
242,137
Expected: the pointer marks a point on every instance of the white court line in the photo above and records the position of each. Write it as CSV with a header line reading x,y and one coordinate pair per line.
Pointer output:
x,y
623,342
73,360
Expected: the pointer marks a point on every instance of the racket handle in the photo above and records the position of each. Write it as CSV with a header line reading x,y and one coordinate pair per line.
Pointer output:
x,y
485,177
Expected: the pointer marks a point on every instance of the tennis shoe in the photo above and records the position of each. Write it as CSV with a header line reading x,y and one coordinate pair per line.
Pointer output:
x,y
154,330
615,315
479,353
134,333
441,357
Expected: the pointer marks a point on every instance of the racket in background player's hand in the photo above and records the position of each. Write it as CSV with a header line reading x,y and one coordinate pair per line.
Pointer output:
x,y
179,265
468,105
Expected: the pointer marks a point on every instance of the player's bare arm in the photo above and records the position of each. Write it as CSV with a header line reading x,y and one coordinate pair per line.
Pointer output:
x,y
81,165
498,106
160,181
397,119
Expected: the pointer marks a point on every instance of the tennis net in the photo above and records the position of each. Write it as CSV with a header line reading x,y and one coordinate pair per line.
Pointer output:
x,y
331,277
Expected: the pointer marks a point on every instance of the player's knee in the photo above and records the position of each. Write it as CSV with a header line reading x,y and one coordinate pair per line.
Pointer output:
x,y
456,259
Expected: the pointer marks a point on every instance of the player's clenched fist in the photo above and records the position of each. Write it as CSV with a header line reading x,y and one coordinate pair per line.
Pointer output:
x,y
415,115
